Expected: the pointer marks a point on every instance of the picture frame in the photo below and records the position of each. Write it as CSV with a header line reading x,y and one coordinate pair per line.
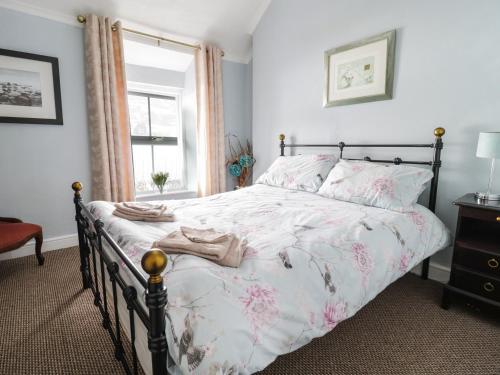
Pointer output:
x,y
361,71
30,89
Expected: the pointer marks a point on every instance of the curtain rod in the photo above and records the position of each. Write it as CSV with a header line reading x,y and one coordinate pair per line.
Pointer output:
x,y
82,19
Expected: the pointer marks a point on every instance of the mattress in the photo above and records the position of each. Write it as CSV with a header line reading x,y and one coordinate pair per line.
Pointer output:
x,y
311,263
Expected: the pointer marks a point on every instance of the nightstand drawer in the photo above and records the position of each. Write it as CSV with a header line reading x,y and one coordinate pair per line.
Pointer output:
x,y
477,284
478,260
481,214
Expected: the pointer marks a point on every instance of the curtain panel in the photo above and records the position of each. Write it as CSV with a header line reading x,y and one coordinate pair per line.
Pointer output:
x,y
111,153
210,121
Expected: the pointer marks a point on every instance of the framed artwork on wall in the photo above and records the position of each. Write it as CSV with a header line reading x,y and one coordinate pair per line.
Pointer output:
x,y
30,91
360,72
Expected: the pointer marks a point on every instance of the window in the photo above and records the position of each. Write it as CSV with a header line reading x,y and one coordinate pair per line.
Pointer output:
x,y
155,127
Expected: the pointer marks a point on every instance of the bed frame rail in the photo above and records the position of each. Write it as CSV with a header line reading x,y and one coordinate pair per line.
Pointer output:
x,y
91,236
435,164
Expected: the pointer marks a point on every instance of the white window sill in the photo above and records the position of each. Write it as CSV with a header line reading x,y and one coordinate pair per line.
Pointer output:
x,y
176,194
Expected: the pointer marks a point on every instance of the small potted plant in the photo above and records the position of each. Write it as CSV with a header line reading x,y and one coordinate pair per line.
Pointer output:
x,y
240,161
160,179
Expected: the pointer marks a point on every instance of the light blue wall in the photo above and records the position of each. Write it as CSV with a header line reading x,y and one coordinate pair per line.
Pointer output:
x,y
447,73
237,88
38,163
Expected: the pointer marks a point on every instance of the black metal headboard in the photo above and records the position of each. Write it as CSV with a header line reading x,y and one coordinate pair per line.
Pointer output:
x,y
435,163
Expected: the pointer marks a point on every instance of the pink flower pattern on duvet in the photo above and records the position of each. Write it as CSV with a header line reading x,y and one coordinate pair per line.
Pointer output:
x,y
418,219
362,260
333,313
311,263
260,307
404,262
384,186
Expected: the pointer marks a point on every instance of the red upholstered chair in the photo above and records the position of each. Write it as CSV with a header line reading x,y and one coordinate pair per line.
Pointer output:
x,y
14,234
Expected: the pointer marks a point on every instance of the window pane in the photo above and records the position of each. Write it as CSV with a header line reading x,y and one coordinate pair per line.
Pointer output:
x,y
164,117
143,167
167,159
138,112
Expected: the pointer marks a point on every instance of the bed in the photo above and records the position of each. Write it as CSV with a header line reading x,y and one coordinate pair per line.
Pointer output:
x,y
311,263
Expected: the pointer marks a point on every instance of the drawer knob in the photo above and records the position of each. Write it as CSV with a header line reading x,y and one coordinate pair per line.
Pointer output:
x,y
489,287
493,263
498,218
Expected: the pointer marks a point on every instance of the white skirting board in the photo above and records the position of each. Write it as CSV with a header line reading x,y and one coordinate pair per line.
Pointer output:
x,y
49,244
437,272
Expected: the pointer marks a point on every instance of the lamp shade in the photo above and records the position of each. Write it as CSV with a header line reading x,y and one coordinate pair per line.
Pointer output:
x,y
488,145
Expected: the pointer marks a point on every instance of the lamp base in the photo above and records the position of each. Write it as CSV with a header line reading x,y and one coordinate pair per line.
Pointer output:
x,y
487,197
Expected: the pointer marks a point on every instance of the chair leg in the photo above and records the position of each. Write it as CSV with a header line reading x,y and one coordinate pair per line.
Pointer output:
x,y
38,248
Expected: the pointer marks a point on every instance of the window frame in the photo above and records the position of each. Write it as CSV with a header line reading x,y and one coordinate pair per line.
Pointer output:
x,y
159,92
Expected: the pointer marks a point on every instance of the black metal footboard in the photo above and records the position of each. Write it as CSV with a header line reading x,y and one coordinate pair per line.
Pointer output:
x,y
91,236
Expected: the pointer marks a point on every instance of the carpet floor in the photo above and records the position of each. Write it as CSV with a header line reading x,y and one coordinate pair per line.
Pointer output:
x,y
49,326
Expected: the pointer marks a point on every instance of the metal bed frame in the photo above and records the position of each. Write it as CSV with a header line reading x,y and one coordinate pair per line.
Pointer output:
x,y
435,163
92,235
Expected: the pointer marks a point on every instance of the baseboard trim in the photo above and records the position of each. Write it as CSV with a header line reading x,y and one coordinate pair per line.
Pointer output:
x,y
437,272
49,244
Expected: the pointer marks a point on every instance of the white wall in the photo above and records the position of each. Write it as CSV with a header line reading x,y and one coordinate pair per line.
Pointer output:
x,y
154,76
447,74
38,163
189,128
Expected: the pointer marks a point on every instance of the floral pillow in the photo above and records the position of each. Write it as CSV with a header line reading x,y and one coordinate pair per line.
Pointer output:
x,y
301,172
393,187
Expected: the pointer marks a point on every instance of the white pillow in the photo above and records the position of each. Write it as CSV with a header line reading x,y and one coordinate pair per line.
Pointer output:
x,y
301,172
393,187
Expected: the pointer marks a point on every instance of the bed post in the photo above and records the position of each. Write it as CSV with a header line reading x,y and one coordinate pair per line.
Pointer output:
x,y
282,144
84,251
436,164
154,263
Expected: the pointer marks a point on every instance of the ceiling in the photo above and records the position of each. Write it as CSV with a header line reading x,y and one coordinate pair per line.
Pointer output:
x,y
229,23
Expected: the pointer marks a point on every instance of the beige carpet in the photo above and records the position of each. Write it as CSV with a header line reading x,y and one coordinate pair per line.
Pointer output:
x,y
49,326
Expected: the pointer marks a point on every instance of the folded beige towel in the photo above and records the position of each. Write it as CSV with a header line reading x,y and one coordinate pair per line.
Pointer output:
x,y
141,209
225,249
154,219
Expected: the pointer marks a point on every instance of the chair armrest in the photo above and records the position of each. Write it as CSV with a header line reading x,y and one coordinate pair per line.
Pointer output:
x,y
10,220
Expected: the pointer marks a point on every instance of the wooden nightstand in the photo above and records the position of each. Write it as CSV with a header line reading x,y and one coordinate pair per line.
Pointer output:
x,y
475,270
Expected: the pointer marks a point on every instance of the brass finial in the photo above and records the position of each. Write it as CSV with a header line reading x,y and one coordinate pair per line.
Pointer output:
x,y
81,18
77,187
154,263
439,132
282,137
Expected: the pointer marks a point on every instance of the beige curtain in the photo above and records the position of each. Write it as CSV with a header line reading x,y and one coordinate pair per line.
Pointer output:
x,y
111,154
210,121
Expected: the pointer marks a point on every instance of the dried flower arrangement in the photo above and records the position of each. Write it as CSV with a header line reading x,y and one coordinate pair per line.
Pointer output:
x,y
240,160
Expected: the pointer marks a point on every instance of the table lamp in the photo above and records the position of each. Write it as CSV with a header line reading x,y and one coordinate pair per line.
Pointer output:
x,y
488,146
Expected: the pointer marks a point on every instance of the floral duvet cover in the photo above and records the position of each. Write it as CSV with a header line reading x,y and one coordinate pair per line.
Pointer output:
x,y
311,263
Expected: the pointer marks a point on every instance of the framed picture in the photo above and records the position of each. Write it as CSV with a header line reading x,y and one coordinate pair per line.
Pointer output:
x,y
30,90
360,72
